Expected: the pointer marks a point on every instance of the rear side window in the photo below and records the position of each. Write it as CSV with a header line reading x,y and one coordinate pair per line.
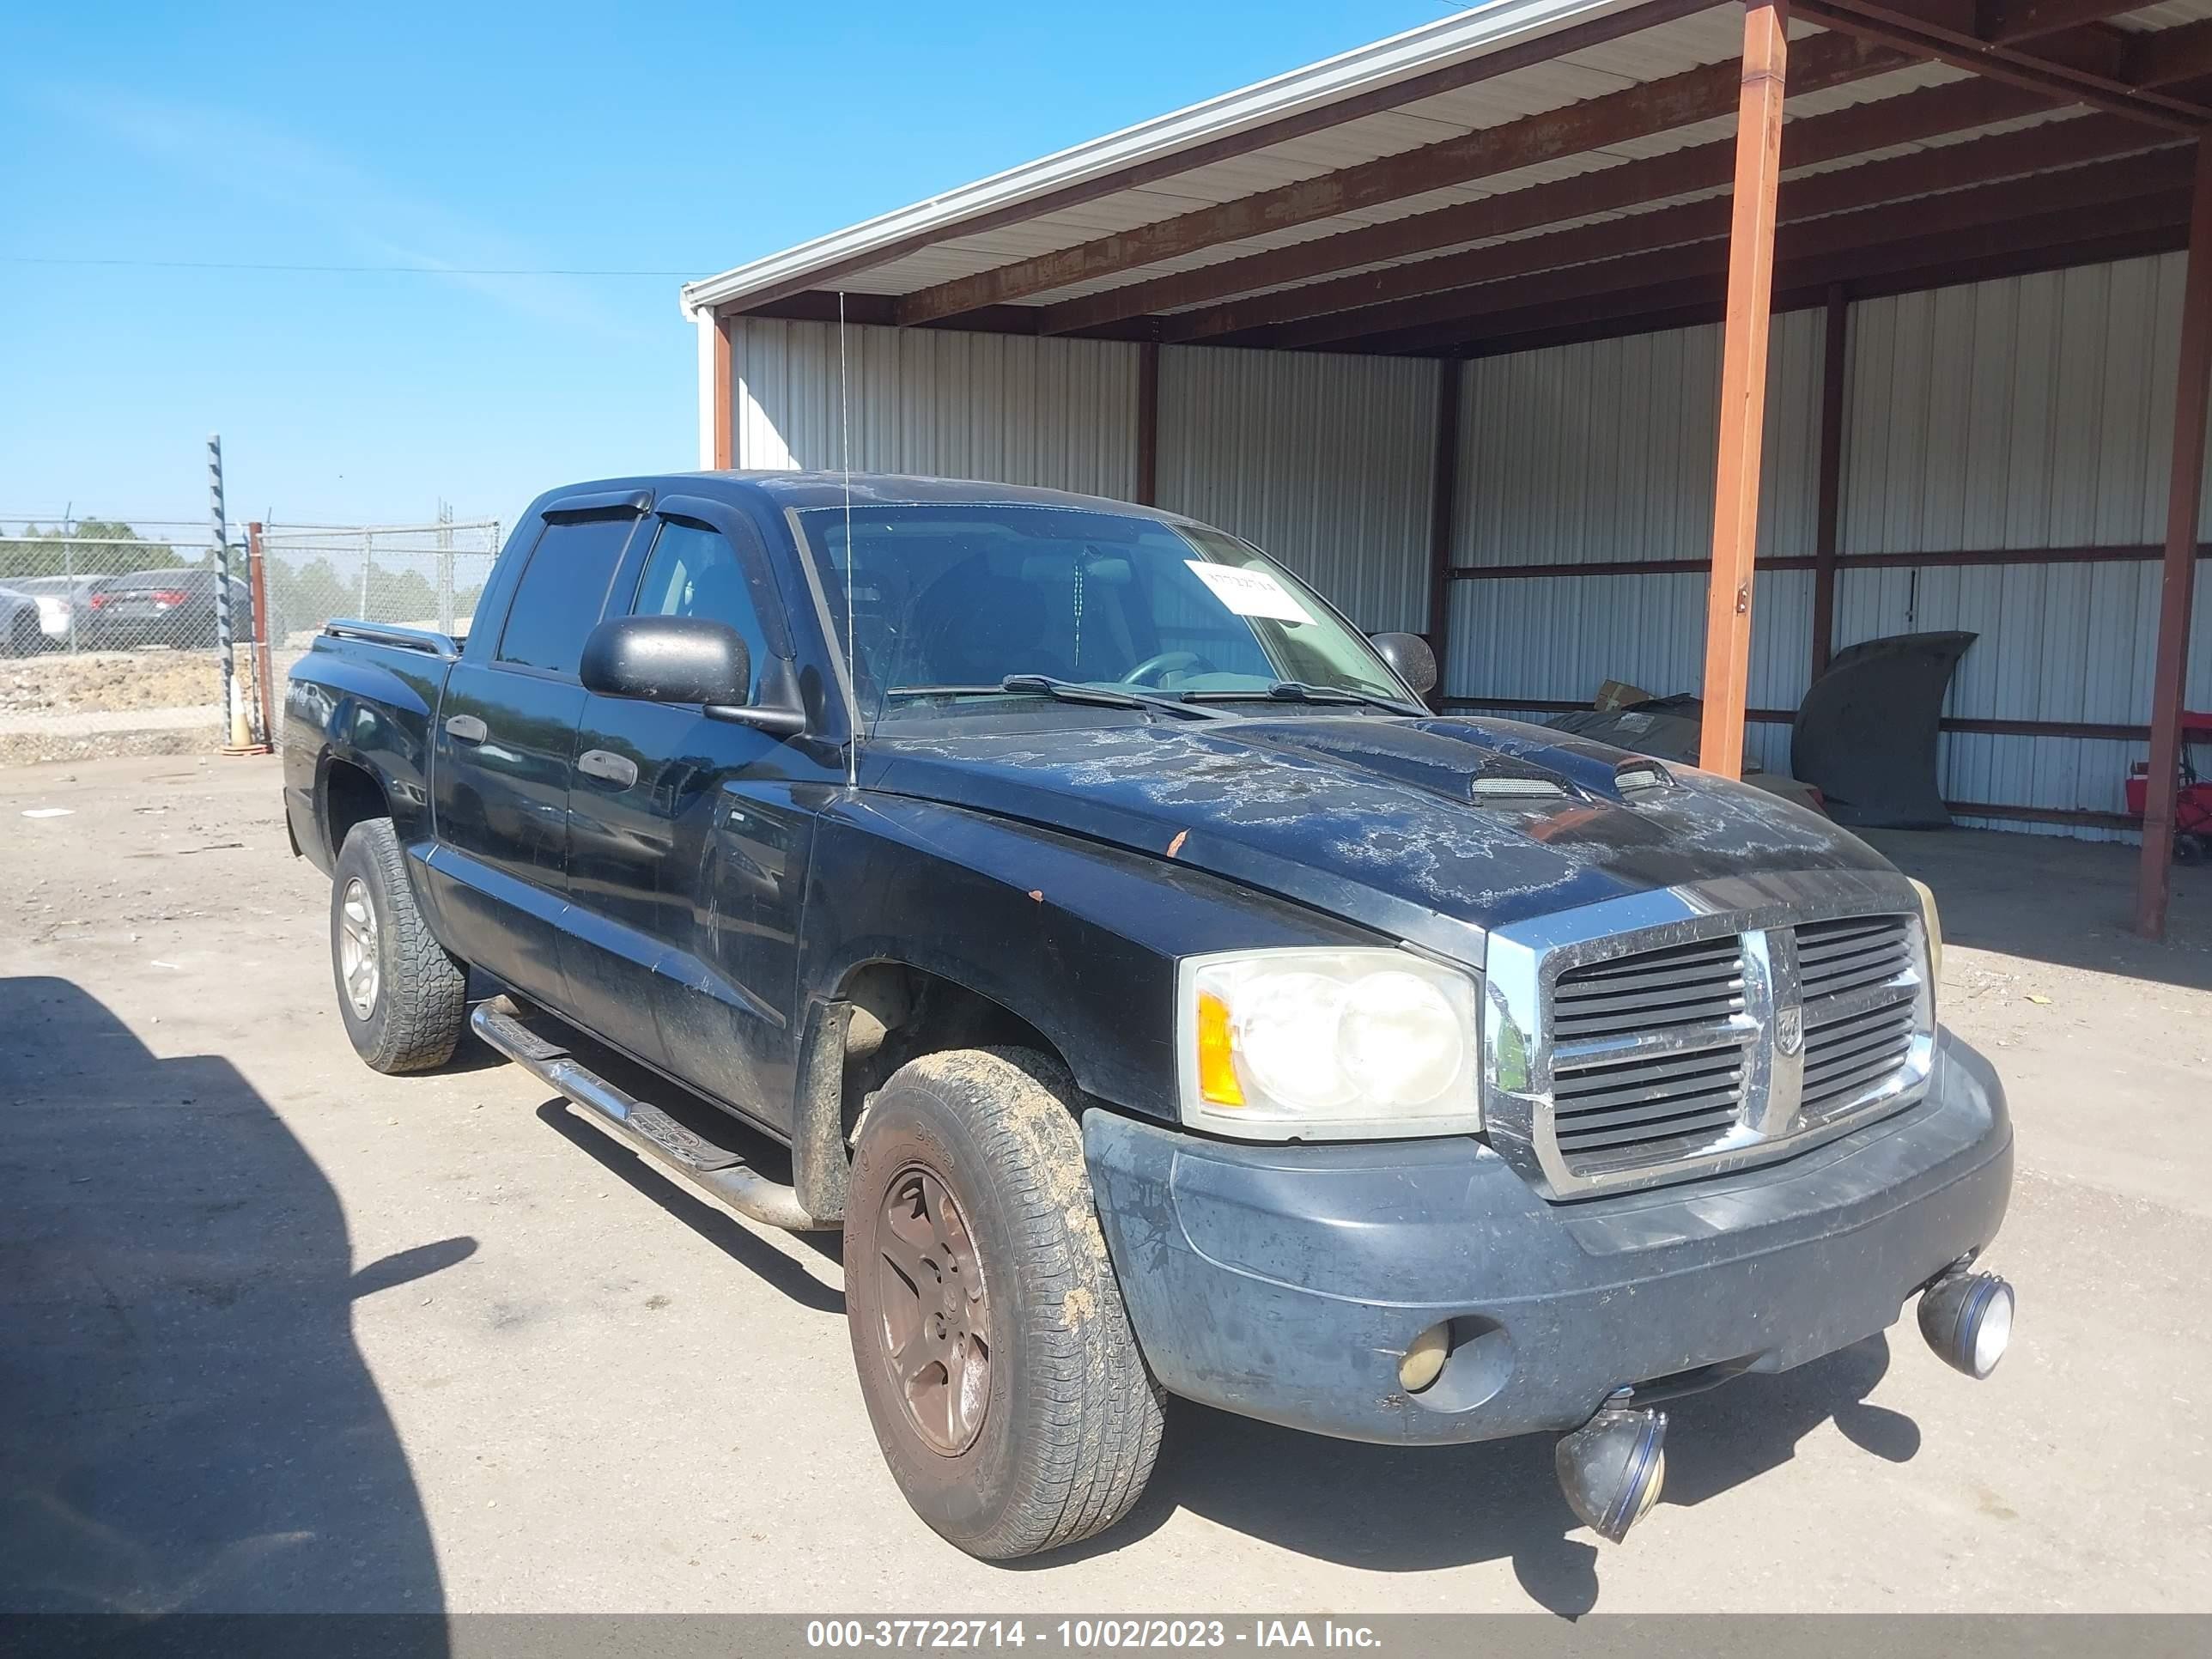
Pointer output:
x,y
562,590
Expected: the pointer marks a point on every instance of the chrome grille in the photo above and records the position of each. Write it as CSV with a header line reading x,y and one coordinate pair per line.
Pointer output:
x,y
1862,995
1852,953
1688,985
1647,1105
1610,1105
1660,1048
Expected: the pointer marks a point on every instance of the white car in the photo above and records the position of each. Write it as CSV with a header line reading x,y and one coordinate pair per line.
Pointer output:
x,y
57,598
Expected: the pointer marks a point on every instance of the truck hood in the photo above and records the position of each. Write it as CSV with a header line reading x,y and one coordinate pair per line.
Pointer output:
x,y
1436,830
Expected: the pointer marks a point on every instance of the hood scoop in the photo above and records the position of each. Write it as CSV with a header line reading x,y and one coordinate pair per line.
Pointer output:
x,y
1485,766
1517,768
1504,780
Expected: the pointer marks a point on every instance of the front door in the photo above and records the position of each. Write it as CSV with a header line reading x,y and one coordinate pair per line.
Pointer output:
x,y
502,748
688,841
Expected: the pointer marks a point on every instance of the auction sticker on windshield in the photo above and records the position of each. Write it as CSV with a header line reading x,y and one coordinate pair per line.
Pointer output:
x,y
1250,592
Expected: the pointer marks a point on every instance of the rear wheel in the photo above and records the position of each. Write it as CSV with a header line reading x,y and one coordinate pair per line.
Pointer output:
x,y
24,634
402,997
996,1359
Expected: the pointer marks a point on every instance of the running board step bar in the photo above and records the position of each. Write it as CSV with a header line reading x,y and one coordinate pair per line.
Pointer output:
x,y
644,1128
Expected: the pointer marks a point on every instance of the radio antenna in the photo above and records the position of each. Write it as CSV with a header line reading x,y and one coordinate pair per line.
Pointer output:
x,y
851,653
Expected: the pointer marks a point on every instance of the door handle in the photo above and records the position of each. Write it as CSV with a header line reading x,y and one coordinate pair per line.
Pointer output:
x,y
607,767
466,728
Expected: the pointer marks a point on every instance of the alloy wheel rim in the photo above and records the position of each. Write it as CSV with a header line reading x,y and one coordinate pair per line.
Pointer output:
x,y
936,1311
357,953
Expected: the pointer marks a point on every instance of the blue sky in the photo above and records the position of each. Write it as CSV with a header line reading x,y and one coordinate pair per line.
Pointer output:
x,y
675,138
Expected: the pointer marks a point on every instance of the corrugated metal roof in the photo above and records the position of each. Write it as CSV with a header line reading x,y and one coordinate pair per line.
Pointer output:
x,y
1484,31
923,247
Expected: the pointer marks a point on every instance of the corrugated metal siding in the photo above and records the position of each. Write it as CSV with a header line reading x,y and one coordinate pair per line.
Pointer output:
x,y
2031,412
1324,461
2027,413
1057,413
1604,451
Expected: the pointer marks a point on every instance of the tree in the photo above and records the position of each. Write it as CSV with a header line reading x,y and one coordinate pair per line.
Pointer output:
x,y
90,547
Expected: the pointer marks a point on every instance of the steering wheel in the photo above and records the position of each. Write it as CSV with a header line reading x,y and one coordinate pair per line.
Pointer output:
x,y
1147,672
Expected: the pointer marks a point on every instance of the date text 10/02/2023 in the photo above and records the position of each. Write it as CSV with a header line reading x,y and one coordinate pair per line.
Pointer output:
x,y
1079,1635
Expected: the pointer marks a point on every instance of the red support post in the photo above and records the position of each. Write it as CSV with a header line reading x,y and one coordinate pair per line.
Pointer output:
x,y
1743,384
724,411
2185,489
263,679
1828,510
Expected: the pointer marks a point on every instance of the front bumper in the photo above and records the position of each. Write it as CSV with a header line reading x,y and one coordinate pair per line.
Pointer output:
x,y
1284,1282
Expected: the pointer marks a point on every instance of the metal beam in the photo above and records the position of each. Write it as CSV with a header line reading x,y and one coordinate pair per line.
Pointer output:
x,y
1829,493
2023,250
2167,55
1744,386
2184,491
2105,198
1428,284
1638,112
2007,20
1928,113
1983,179
2091,70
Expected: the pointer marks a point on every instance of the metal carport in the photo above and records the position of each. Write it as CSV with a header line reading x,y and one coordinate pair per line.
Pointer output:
x,y
1542,328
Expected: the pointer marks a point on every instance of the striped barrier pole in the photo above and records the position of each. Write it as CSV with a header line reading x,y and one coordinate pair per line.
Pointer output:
x,y
234,699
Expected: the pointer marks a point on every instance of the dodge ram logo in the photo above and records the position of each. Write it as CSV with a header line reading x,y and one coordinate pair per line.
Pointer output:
x,y
1790,1028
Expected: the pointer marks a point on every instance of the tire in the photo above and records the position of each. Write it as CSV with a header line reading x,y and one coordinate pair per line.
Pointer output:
x,y
1063,1420
25,637
411,1016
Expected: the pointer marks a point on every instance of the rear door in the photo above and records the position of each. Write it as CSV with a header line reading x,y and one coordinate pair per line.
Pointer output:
x,y
503,747
688,840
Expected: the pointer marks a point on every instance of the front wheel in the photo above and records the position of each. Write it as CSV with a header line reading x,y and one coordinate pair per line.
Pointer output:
x,y
402,997
996,1359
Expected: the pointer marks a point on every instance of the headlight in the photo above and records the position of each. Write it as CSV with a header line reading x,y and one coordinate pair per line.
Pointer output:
x,y
1326,1045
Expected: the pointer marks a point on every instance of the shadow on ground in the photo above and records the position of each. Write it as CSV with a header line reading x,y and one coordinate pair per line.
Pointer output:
x,y
1417,1508
2068,902
186,1423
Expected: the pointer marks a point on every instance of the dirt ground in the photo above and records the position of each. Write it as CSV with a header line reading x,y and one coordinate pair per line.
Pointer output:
x,y
100,682
80,706
283,1334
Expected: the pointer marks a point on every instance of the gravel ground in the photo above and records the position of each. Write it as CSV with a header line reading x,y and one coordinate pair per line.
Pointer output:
x,y
285,1333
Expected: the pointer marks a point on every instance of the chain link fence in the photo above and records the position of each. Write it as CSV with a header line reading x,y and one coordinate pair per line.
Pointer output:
x,y
109,631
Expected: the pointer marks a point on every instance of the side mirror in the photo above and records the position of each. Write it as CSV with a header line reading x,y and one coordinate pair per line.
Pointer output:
x,y
668,659
1409,654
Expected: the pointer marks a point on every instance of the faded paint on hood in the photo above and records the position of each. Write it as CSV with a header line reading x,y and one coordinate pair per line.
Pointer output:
x,y
1374,819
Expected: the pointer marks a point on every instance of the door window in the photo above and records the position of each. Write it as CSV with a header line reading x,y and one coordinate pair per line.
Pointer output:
x,y
695,572
562,591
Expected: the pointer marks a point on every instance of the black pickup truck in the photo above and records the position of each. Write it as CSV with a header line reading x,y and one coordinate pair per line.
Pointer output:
x,y
1160,997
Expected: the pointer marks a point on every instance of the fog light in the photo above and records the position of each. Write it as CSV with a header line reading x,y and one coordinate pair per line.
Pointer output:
x,y
1425,1361
1967,1319
1612,1468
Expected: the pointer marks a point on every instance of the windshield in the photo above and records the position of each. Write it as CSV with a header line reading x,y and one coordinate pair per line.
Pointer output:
x,y
952,600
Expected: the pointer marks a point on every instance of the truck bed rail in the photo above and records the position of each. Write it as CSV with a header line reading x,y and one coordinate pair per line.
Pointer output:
x,y
427,640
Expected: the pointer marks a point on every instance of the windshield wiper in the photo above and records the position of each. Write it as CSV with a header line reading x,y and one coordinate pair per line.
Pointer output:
x,y
1045,685
1301,691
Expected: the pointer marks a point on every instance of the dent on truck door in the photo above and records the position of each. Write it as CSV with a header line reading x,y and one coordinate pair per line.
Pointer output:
x,y
505,738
